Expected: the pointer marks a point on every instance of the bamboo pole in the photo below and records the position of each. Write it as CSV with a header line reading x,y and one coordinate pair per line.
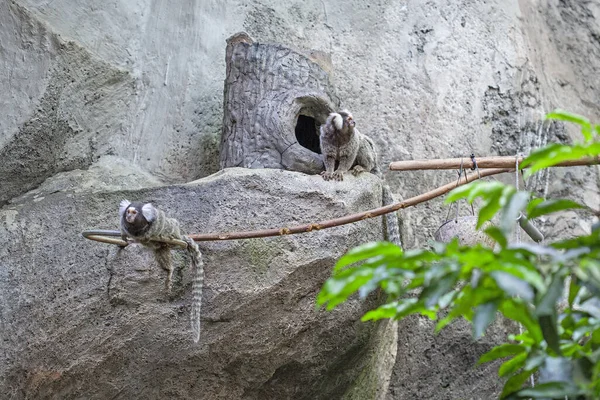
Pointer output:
x,y
482,162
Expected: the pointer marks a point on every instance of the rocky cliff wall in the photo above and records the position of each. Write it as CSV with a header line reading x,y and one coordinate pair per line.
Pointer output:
x,y
100,97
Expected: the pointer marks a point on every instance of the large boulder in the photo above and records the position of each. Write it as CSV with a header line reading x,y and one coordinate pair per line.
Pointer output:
x,y
83,319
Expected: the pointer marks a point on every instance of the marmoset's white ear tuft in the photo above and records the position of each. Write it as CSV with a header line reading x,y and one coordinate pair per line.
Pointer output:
x,y
123,206
149,212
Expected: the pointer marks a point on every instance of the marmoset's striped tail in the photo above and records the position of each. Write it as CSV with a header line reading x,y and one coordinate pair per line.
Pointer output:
x,y
391,219
197,285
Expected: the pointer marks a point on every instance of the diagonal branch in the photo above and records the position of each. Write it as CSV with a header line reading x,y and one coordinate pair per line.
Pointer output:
x,y
348,219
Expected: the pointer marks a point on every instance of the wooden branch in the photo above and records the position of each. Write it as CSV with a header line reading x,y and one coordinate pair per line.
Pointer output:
x,y
376,212
115,237
482,162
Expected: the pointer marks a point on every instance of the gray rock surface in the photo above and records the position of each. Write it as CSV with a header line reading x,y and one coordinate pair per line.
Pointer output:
x,y
419,374
103,96
65,104
82,319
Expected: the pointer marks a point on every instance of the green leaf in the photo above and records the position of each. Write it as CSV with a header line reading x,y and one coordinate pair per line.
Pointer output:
x,y
551,390
397,309
438,270
541,154
570,349
592,307
579,241
487,211
336,290
574,289
475,278
573,254
431,314
462,306
473,257
516,203
446,299
534,360
475,189
563,115
515,383
415,258
535,249
546,312
512,365
548,326
432,293
496,233
581,333
557,153
596,336
501,351
548,302
523,338
380,275
523,272
533,203
582,371
551,206
484,294
388,310
595,356
460,192
518,255
514,309
513,285
486,190
484,315
367,251
394,287
584,123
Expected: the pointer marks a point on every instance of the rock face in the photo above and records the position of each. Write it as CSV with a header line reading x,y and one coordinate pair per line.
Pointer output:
x,y
63,130
103,97
419,374
85,319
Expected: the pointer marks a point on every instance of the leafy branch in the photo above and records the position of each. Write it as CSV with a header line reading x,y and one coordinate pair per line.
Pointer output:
x,y
523,282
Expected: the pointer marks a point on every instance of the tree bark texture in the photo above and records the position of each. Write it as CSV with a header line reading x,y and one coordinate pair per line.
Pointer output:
x,y
267,87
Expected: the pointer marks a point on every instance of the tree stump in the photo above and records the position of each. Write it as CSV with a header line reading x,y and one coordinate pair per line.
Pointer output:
x,y
275,100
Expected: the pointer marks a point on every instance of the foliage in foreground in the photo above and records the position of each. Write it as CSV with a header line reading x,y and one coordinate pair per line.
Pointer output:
x,y
524,282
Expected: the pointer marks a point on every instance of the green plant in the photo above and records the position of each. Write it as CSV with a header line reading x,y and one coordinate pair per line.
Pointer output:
x,y
524,282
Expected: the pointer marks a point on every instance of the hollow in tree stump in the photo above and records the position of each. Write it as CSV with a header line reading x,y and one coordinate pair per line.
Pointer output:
x,y
275,100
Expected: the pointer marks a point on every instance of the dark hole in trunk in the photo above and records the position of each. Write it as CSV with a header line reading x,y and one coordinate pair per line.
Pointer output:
x,y
307,134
